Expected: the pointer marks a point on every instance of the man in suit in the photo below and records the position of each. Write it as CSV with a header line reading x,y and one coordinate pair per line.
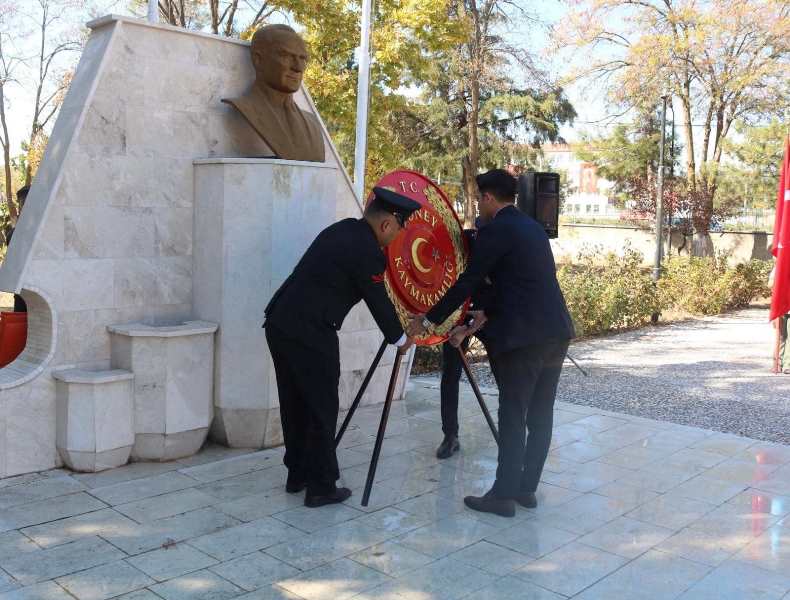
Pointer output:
x,y
452,366
343,265
527,333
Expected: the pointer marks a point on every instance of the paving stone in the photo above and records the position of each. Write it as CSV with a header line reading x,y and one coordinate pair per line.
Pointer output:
x,y
335,581
61,560
444,579
129,472
105,522
653,576
254,571
627,537
258,506
174,561
735,580
201,585
49,590
392,558
131,491
105,581
312,519
51,509
13,543
166,505
165,532
228,467
243,539
492,558
39,489
571,569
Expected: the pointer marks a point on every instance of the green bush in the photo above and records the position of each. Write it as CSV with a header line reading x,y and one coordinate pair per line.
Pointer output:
x,y
707,286
609,292
606,292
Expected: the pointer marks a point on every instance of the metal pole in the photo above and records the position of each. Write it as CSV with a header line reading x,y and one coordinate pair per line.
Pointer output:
x,y
363,101
385,415
360,393
153,11
478,395
660,195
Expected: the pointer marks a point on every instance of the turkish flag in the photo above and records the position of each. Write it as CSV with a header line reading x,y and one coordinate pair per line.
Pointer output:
x,y
780,300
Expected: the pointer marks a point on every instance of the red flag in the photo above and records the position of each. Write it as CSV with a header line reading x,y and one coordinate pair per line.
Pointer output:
x,y
780,299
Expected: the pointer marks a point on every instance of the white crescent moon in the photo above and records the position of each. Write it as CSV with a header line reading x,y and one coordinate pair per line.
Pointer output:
x,y
415,259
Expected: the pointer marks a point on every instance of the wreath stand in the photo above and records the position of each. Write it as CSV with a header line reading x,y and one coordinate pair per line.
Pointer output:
x,y
385,413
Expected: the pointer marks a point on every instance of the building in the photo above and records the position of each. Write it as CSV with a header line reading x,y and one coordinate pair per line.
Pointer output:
x,y
589,195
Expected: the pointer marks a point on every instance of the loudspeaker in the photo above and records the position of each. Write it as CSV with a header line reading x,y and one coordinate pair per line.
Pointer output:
x,y
539,197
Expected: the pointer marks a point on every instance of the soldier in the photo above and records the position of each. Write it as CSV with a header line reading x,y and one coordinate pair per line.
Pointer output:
x,y
343,265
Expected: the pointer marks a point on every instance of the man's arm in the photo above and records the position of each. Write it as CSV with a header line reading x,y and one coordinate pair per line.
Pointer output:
x,y
489,248
370,279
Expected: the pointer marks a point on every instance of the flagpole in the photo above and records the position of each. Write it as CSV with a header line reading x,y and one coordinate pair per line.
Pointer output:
x,y
153,11
363,101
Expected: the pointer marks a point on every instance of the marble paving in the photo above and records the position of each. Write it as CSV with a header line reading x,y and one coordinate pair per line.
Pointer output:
x,y
630,509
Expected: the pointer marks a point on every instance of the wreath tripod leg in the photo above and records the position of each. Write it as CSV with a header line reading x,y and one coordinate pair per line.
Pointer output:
x,y
385,413
478,394
360,393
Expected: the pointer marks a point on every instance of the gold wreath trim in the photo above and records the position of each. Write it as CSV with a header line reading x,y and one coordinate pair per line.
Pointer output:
x,y
456,237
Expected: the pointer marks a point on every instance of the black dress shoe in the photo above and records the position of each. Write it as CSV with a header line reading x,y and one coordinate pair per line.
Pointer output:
x,y
336,497
448,447
527,499
294,486
504,507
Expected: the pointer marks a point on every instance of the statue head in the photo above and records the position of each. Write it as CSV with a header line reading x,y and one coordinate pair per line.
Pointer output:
x,y
279,56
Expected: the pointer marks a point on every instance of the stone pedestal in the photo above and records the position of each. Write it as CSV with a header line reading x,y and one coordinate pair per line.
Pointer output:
x,y
254,218
94,418
173,367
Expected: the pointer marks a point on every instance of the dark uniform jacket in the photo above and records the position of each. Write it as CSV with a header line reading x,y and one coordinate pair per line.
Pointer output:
x,y
342,266
526,306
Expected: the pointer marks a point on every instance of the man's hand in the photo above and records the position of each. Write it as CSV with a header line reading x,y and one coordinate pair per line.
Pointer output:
x,y
407,346
415,327
478,320
457,335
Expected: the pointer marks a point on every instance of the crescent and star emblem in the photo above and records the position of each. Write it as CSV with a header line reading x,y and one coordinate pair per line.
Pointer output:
x,y
415,258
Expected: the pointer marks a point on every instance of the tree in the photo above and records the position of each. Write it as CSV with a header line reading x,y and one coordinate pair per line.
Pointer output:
x,y
407,35
51,79
758,154
9,62
722,60
629,156
472,112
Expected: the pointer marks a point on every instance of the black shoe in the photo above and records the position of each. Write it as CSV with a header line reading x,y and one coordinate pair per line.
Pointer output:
x,y
448,447
527,499
294,484
503,507
336,497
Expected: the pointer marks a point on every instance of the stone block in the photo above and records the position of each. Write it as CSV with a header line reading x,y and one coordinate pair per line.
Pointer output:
x,y
94,425
174,372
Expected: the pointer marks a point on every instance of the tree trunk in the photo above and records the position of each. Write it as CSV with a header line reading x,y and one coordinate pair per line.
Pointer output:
x,y
9,191
688,133
702,244
214,5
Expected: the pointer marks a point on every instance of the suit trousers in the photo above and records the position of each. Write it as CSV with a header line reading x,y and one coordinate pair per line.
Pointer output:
x,y
527,379
307,383
451,375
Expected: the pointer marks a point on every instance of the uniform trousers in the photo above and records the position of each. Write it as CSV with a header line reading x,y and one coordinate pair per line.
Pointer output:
x,y
451,375
307,383
527,379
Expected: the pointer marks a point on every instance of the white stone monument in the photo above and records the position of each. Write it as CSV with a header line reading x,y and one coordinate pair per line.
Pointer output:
x,y
144,214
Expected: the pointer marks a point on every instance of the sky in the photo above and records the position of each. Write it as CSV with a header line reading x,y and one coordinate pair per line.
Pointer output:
x,y
589,106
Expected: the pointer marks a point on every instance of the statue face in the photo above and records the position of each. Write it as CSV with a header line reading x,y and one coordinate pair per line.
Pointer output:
x,y
283,63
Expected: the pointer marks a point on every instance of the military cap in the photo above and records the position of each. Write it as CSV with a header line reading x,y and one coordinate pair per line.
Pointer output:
x,y
396,204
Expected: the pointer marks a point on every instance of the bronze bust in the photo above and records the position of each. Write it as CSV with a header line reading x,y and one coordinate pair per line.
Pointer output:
x,y
279,57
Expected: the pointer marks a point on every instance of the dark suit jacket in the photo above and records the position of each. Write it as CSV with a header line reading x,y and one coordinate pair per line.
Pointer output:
x,y
527,306
342,266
